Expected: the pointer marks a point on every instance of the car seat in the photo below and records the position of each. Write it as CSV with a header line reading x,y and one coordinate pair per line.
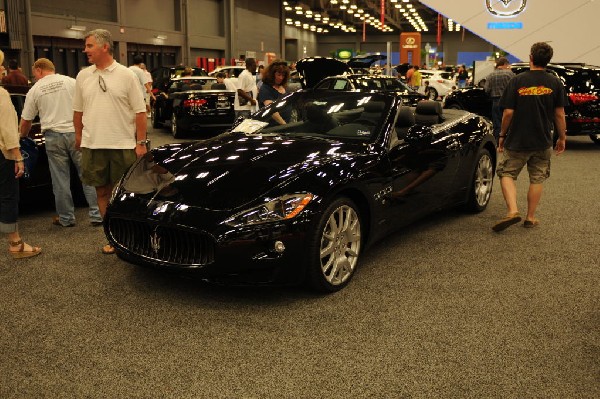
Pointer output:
x,y
405,119
371,114
428,112
318,120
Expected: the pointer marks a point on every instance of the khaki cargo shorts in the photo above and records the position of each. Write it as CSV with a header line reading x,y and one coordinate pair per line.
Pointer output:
x,y
538,164
100,167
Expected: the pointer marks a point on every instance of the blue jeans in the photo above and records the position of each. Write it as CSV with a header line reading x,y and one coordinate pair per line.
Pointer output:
x,y
60,148
496,116
9,196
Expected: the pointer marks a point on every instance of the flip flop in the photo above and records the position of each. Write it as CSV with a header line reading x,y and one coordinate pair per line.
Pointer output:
x,y
506,222
108,249
21,253
531,223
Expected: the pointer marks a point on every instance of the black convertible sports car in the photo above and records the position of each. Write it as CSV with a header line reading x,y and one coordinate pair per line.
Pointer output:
x,y
266,203
582,84
191,104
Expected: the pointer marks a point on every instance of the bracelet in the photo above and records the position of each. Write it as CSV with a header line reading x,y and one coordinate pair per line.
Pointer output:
x,y
502,136
19,160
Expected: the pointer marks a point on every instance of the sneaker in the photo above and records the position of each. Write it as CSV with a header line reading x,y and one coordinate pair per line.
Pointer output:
x,y
56,222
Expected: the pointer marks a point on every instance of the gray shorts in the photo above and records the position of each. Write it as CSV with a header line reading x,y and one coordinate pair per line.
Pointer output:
x,y
538,164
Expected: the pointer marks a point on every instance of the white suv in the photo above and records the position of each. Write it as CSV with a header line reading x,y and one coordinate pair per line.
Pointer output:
x,y
440,82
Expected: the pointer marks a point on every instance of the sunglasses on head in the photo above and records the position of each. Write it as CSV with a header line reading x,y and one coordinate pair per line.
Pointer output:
x,y
282,63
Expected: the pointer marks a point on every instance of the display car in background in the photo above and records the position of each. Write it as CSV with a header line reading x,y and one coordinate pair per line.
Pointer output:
x,y
367,64
232,72
337,76
36,184
367,83
191,105
582,86
161,76
37,178
440,82
267,203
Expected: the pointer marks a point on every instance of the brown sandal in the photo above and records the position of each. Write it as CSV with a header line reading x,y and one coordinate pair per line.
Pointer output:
x,y
506,222
531,223
21,253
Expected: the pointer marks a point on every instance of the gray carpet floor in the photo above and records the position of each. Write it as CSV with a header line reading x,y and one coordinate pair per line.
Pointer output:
x,y
445,309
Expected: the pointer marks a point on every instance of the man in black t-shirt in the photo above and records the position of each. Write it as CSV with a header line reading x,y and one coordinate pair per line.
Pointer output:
x,y
533,105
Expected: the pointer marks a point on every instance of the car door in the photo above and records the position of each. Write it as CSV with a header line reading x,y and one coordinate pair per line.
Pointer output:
x,y
423,168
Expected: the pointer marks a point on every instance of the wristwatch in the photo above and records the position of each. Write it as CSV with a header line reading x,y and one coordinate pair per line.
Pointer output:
x,y
144,142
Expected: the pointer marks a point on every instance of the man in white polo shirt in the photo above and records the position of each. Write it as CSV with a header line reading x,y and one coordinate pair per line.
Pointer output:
x,y
52,98
245,99
109,117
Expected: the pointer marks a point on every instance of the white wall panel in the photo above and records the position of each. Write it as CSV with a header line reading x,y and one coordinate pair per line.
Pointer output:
x,y
569,26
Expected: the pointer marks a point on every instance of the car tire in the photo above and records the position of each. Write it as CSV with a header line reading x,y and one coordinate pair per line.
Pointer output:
x,y
482,183
433,94
595,138
175,130
335,247
153,117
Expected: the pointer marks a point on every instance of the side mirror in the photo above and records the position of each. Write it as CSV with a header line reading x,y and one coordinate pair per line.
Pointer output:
x,y
419,135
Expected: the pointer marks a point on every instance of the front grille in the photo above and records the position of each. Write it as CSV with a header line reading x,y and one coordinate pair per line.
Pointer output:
x,y
163,243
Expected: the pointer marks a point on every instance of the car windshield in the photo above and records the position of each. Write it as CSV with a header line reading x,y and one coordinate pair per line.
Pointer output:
x,y
337,115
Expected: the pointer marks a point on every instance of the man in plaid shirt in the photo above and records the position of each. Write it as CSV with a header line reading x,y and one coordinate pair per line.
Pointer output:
x,y
494,86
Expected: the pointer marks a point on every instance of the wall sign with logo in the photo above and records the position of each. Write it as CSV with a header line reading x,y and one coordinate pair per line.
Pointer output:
x,y
343,54
505,8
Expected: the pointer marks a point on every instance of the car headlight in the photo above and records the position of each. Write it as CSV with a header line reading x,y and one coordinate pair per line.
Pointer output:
x,y
273,210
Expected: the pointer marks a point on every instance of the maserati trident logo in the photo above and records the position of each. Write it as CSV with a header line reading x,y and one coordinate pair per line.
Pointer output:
x,y
155,242
505,8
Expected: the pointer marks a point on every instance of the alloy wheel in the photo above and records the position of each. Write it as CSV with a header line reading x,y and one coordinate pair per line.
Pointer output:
x,y
340,245
484,177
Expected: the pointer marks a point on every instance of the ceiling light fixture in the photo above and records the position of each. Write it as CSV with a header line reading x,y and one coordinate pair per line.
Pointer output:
x,y
161,37
79,28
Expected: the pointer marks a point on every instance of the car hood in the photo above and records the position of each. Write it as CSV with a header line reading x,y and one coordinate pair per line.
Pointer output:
x,y
234,169
314,69
365,61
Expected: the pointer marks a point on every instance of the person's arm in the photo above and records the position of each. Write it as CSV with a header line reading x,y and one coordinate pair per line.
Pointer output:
x,y
141,121
25,127
265,93
276,115
560,125
486,86
243,94
149,90
78,124
507,116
